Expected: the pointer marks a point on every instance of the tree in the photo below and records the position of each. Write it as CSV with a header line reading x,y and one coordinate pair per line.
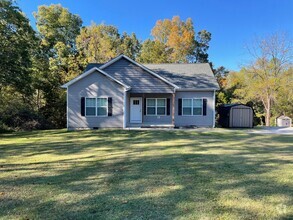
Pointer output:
x,y
177,35
272,56
153,52
200,53
98,43
17,43
129,45
58,29
284,100
56,24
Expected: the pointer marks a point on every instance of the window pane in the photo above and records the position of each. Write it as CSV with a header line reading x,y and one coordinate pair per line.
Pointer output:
x,y
151,110
161,111
187,102
102,111
197,111
197,102
102,101
161,102
151,102
90,102
186,111
90,111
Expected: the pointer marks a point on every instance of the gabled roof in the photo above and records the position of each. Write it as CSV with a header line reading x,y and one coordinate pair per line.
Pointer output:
x,y
91,71
187,76
179,76
139,65
92,65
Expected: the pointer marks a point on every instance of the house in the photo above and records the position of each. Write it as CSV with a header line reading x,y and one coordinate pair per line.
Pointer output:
x,y
123,93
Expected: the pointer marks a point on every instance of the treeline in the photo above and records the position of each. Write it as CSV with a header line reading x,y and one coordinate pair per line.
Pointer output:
x,y
265,82
34,64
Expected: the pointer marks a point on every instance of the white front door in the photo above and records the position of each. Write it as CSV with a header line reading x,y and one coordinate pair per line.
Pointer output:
x,y
135,110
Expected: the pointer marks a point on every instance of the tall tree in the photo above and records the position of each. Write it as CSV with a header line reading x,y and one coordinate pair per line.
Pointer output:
x,y
200,53
58,29
177,35
266,76
56,24
176,42
129,45
154,52
17,42
272,56
98,43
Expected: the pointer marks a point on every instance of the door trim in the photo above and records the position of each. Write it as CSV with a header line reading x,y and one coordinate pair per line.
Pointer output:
x,y
140,104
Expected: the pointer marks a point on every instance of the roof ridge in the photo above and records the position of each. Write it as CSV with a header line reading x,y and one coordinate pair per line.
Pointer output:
x,y
173,63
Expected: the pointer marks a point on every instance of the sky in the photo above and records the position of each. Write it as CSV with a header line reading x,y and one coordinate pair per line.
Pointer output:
x,y
233,23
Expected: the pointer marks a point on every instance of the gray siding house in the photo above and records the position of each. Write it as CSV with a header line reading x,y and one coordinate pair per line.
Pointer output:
x,y
123,94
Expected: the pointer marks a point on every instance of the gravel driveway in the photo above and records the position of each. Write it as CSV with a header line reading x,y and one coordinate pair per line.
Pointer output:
x,y
272,130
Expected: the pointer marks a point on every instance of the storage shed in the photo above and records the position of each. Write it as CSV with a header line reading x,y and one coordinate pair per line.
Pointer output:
x,y
284,121
236,116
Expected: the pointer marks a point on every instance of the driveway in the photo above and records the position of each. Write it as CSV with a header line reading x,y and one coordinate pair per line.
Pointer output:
x,y
272,130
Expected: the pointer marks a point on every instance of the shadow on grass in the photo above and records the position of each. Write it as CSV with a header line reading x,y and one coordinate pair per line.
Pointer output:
x,y
138,177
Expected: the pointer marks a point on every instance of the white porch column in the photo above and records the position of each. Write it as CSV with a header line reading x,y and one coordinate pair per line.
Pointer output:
x,y
125,109
214,109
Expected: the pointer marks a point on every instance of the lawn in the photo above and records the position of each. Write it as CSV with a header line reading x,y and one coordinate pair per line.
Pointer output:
x,y
119,174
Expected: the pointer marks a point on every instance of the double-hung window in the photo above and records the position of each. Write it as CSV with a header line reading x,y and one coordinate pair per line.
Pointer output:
x,y
96,106
156,106
192,106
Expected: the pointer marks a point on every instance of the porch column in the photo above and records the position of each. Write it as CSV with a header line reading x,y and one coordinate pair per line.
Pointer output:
x,y
125,108
173,109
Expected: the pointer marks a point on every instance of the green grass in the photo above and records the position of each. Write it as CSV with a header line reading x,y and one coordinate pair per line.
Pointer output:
x,y
118,174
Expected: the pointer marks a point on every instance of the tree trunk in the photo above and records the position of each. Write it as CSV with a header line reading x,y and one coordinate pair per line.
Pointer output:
x,y
268,112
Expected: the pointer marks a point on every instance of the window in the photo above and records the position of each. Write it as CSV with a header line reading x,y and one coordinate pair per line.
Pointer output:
x,y
156,106
90,107
192,106
161,106
197,106
96,106
135,102
102,106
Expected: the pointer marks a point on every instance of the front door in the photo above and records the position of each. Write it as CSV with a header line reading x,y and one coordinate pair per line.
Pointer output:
x,y
135,110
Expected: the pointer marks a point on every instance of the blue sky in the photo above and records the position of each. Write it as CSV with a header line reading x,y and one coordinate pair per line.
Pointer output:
x,y
233,23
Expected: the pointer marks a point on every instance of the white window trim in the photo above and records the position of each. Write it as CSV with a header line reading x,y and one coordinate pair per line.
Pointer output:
x,y
100,97
192,107
156,106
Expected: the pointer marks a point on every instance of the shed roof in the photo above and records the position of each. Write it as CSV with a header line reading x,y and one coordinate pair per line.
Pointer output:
x,y
283,117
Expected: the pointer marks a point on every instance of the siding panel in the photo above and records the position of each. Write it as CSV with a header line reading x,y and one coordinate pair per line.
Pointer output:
x,y
140,80
199,121
94,85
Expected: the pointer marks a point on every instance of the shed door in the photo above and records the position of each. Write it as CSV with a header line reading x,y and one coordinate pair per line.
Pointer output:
x,y
241,118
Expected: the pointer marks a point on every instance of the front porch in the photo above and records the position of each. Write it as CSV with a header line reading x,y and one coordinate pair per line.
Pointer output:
x,y
150,110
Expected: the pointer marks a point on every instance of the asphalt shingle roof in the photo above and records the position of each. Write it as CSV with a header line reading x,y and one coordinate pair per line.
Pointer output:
x,y
92,65
187,76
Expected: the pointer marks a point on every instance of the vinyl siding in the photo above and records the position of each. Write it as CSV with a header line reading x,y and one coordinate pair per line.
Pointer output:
x,y
195,120
146,119
95,85
137,78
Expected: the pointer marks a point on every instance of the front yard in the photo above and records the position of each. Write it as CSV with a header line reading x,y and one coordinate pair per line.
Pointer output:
x,y
118,174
